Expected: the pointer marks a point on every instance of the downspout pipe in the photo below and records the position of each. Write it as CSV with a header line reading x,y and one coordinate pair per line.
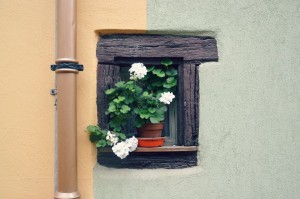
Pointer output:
x,y
66,70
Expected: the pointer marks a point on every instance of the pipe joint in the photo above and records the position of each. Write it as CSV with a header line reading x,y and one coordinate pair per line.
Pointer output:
x,y
67,65
73,195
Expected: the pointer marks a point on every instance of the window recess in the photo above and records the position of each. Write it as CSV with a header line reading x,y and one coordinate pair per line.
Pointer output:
x,y
116,53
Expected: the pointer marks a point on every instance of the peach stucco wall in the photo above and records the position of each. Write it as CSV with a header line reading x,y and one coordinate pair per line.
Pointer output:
x,y
26,108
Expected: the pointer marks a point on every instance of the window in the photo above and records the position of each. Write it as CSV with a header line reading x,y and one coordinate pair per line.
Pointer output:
x,y
116,53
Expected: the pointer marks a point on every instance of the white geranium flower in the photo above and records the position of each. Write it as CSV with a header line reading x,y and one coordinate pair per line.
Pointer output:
x,y
121,150
131,143
137,71
112,137
108,135
167,97
114,140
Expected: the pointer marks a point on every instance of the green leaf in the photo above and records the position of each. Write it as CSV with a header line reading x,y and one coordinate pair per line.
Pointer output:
x,y
171,72
166,85
163,108
125,109
138,90
155,120
145,94
109,91
171,82
91,128
171,79
128,100
117,101
112,108
119,84
94,138
150,68
166,62
144,114
159,72
130,82
122,136
99,131
151,110
101,143
121,98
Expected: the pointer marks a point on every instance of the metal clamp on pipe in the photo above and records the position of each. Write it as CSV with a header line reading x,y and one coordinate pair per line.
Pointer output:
x,y
67,65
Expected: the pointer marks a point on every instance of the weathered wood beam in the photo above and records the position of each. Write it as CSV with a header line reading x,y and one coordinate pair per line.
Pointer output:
x,y
192,48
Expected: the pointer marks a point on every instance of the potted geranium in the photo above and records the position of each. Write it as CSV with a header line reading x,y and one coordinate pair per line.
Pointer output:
x,y
144,97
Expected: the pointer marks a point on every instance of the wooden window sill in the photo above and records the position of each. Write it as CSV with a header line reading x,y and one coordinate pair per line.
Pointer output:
x,y
168,157
159,149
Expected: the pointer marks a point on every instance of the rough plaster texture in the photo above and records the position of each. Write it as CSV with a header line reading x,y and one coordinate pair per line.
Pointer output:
x,y
26,108
249,105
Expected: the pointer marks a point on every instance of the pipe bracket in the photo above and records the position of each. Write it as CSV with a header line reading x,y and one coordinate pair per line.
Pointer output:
x,y
67,65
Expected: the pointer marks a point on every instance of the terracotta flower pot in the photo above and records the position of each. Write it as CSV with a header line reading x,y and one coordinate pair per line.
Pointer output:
x,y
149,130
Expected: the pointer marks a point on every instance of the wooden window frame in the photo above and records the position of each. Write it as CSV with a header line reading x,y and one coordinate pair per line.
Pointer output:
x,y
191,51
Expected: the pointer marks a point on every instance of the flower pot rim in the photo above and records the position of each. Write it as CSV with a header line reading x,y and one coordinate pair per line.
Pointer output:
x,y
151,125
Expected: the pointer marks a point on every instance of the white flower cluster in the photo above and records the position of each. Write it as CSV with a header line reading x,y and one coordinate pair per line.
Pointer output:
x,y
122,149
137,71
131,143
112,137
167,97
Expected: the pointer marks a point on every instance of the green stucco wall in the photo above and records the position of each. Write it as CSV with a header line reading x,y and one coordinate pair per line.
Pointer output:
x,y
249,105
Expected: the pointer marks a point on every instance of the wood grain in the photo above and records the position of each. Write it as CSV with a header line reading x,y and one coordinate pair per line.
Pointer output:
x,y
149,160
191,104
107,76
191,48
